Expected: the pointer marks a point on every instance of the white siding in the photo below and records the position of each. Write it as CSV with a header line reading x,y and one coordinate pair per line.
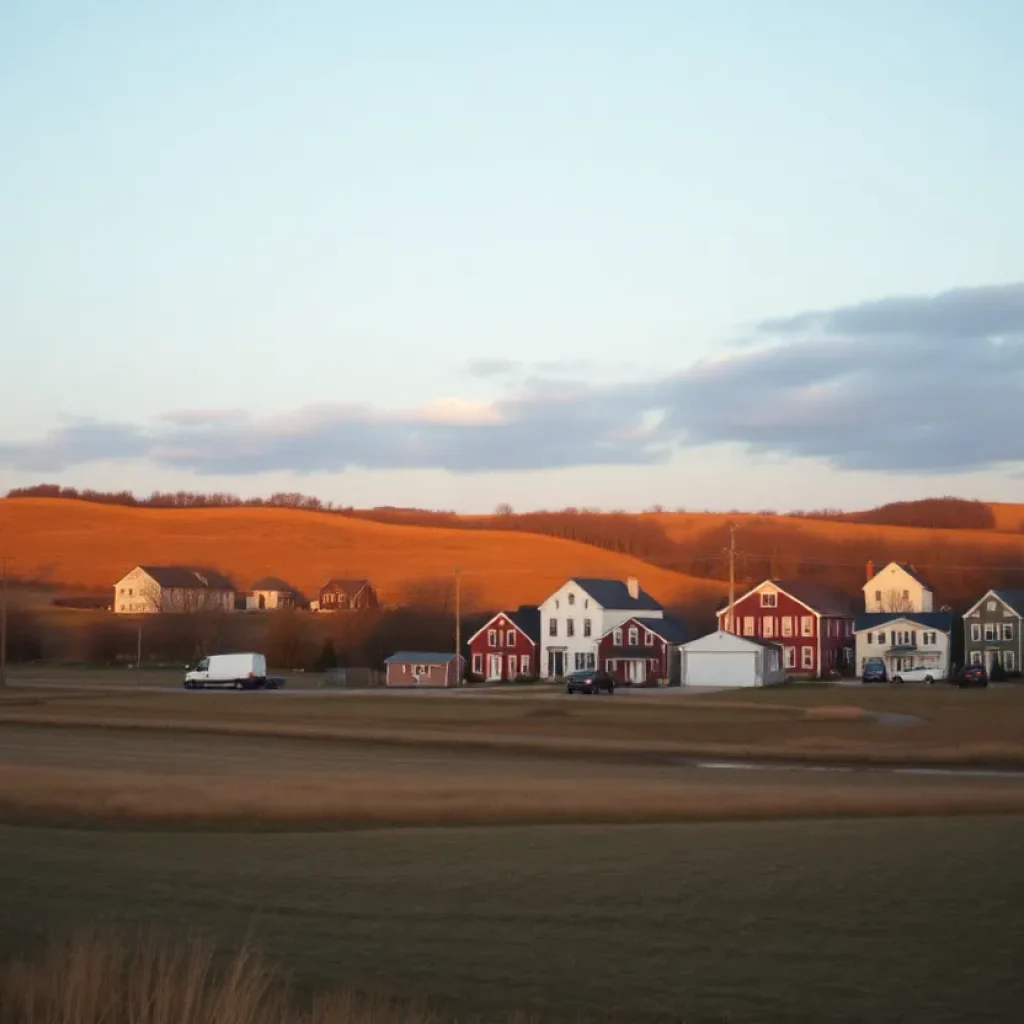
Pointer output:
x,y
893,589
936,654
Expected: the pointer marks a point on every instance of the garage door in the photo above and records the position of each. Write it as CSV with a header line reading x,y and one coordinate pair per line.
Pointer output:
x,y
720,668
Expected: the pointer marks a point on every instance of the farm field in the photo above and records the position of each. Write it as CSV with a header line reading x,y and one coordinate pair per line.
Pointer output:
x,y
827,920
89,545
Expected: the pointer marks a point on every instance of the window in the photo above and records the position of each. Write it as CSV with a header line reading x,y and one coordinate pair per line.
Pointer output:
x,y
807,657
1007,630
572,599
1008,661
510,638
587,627
976,632
990,606
478,664
586,603
552,627
634,636
789,656
524,665
807,625
878,596
512,666
906,595
570,627
787,625
617,638
975,657
849,627
492,638
748,625
591,660
648,638
990,632
131,593
581,661
768,626
871,638
769,600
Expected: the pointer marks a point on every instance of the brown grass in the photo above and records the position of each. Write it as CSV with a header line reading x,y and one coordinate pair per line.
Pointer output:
x,y
109,978
92,545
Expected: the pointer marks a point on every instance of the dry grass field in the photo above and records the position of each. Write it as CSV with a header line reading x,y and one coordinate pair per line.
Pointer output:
x,y
83,544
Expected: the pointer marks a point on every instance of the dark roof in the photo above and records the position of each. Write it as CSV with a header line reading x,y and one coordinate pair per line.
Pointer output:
x,y
670,630
930,620
912,572
420,658
527,620
1013,598
187,577
274,583
825,600
762,643
614,595
350,587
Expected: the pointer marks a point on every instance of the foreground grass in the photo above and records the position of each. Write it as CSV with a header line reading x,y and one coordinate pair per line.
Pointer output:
x,y
845,920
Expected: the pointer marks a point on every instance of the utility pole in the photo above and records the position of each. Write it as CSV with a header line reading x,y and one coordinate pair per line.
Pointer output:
x,y
458,630
3,621
732,578
138,654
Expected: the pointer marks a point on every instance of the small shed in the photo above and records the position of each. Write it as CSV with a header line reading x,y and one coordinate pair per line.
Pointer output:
x,y
424,668
723,659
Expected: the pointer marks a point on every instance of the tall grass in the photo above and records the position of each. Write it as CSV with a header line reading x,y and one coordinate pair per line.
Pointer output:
x,y
111,978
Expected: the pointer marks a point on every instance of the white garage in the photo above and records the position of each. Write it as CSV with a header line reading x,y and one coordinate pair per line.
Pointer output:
x,y
722,659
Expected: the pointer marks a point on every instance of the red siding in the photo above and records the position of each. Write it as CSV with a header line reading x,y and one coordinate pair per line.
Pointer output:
x,y
836,633
490,649
656,655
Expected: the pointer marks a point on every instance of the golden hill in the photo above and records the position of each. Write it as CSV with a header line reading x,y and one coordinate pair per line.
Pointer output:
x,y
83,544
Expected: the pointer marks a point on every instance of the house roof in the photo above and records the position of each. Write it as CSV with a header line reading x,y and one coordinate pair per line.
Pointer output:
x,y
350,587
527,620
670,630
914,574
819,597
614,594
274,583
941,621
187,577
1012,598
420,658
733,638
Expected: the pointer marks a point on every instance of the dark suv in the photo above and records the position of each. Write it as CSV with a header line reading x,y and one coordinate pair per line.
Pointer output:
x,y
874,671
972,675
589,681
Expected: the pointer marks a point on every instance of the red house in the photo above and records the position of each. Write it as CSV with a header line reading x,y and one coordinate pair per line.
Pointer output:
x,y
505,647
812,622
642,651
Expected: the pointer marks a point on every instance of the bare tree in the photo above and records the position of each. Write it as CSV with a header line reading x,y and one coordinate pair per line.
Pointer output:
x,y
896,601
504,509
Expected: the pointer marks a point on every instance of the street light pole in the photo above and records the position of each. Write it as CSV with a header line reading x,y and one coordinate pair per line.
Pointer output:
x,y
458,631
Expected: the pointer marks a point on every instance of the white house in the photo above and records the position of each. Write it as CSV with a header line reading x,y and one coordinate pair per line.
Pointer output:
x,y
149,589
897,588
915,642
724,659
575,617
272,594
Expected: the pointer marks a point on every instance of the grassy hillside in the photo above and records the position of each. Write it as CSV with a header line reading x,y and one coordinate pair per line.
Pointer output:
x,y
77,543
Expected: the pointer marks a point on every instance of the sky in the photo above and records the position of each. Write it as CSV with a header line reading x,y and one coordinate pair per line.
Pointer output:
x,y
739,255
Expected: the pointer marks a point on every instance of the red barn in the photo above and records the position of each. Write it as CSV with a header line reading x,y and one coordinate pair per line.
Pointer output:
x,y
811,622
642,651
505,647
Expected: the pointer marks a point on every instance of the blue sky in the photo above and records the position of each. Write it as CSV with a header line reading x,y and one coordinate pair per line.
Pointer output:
x,y
425,253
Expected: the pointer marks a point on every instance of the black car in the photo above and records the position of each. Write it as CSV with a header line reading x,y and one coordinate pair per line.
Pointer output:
x,y
874,671
589,681
972,675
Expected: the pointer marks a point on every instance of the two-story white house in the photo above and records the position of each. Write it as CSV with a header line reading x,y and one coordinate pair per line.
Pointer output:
x,y
575,617
896,588
151,589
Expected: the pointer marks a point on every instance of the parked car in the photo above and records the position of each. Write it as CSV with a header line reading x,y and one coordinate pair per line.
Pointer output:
x,y
918,674
589,681
874,671
237,671
972,675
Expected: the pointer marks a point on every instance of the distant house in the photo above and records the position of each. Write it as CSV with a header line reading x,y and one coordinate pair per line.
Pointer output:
x,y
993,629
273,594
724,659
904,641
149,589
338,595
642,651
424,668
505,647
896,588
579,613
811,622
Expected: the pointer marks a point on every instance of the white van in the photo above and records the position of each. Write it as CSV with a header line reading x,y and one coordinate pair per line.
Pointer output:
x,y
240,671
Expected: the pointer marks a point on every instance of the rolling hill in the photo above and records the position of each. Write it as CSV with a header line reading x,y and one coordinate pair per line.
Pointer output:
x,y
89,545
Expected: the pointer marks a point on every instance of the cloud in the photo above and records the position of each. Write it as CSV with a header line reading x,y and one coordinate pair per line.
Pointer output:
x,y
906,384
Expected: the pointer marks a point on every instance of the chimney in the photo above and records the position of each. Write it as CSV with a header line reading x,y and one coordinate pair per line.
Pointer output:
x,y
633,586
871,570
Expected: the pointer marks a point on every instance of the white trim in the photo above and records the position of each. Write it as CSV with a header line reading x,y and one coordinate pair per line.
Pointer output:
x,y
499,615
980,602
781,590
511,625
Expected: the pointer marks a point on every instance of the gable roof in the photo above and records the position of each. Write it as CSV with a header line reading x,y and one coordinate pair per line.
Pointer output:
x,y
274,583
670,630
1013,599
420,658
818,597
940,621
525,618
908,569
349,587
187,577
614,595
732,638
